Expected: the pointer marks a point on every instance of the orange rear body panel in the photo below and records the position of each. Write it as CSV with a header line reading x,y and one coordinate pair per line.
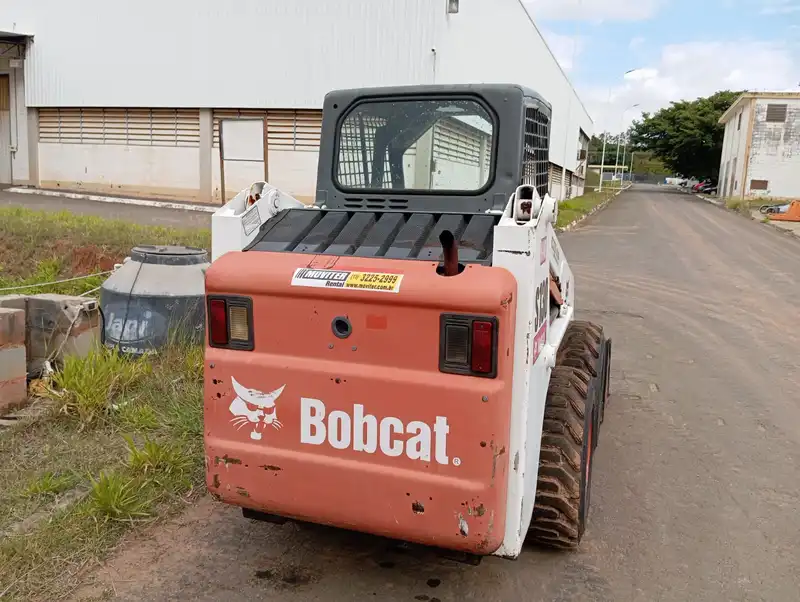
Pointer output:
x,y
364,432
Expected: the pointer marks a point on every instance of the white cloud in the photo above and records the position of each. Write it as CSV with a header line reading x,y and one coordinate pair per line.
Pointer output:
x,y
565,48
687,71
593,10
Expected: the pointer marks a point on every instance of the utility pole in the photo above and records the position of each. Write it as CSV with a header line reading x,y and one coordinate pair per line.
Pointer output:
x,y
603,161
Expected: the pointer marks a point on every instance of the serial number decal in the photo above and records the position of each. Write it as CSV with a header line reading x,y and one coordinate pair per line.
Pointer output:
x,y
369,281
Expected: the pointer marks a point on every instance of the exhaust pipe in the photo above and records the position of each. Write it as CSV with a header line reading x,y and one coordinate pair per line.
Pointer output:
x,y
450,253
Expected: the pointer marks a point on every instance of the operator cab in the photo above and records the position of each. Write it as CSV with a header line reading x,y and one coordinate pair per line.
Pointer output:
x,y
400,166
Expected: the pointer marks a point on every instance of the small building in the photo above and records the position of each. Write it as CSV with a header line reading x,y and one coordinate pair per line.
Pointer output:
x,y
761,149
127,98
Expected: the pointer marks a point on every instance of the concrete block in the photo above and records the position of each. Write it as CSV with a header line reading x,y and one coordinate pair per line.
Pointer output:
x,y
13,364
12,327
59,326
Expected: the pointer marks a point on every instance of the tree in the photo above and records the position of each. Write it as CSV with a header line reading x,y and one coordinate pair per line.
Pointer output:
x,y
686,136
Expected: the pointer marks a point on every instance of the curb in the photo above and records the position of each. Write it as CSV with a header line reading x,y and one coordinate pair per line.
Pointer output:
x,y
114,199
599,207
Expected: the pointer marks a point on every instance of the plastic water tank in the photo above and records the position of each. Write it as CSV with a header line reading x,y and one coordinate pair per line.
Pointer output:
x,y
158,293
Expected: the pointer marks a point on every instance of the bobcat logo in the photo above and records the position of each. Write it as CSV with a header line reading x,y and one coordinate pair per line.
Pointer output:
x,y
254,408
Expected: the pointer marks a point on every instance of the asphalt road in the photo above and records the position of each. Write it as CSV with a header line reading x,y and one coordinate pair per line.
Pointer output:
x,y
149,216
696,480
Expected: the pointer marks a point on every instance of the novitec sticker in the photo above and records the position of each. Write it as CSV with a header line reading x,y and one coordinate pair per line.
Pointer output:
x,y
369,281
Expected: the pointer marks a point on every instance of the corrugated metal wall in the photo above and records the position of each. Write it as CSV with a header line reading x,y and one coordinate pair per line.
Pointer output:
x,y
206,53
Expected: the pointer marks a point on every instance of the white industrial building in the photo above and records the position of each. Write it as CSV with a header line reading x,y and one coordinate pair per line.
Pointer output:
x,y
126,98
761,149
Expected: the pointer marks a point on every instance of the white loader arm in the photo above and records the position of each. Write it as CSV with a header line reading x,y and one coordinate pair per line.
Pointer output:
x,y
236,224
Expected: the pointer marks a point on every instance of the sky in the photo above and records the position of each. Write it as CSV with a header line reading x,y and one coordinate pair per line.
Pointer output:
x,y
679,49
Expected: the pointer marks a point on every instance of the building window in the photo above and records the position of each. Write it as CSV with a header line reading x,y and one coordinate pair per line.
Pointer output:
x,y
127,127
739,127
759,185
288,129
776,113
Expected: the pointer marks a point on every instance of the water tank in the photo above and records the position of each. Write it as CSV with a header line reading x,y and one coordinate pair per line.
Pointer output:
x,y
158,293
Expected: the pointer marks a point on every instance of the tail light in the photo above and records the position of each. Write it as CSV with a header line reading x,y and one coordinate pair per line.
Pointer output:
x,y
468,345
230,322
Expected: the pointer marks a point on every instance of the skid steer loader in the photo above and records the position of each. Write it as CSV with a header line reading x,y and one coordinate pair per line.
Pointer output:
x,y
401,357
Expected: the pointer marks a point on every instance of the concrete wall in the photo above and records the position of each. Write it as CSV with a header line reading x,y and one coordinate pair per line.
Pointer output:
x,y
775,152
168,172
734,151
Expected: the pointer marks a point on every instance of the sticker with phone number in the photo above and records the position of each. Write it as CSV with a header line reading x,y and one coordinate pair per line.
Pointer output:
x,y
369,281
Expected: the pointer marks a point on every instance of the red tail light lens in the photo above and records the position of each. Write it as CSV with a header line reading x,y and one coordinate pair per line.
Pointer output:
x,y
468,345
230,322
482,347
218,322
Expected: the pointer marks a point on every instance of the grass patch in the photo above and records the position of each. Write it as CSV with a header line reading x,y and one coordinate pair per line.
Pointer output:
x,y
40,246
128,435
744,206
572,209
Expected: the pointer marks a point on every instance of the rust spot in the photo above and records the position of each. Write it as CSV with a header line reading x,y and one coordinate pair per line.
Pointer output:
x,y
484,543
480,510
242,491
496,455
226,460
417,507
271,467
216,481
506,302
483,443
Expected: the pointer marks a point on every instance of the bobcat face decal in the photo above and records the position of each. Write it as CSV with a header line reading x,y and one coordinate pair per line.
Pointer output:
x,y
254,408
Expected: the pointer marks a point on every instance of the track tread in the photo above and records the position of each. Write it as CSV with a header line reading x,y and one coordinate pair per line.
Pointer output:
x,y
556,515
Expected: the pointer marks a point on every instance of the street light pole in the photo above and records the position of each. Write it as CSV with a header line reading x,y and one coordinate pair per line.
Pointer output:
x,y
625,142
624,138
603,162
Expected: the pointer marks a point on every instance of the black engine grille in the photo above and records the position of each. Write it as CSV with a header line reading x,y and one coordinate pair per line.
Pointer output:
x,y
389,234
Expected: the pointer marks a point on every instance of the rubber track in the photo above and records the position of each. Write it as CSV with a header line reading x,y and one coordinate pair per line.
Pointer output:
x,y
556,515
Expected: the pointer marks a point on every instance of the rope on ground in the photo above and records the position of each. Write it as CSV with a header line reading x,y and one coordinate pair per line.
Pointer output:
x,y
42,284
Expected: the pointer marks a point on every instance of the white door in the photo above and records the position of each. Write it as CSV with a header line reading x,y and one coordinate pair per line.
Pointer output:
x,y
5,131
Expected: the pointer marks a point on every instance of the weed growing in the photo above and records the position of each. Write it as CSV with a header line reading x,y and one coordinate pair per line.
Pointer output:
x,y
128,433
